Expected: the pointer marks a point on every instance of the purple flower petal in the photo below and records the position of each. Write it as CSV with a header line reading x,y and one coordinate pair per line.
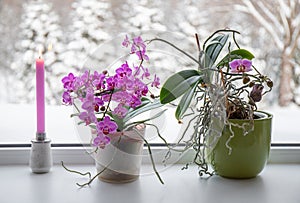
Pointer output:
x,y
67,99
120,111
155,82
106,126
126,42
240,65
101,140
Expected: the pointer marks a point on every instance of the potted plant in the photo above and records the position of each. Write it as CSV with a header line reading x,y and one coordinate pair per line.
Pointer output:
x,y
107,103
220,98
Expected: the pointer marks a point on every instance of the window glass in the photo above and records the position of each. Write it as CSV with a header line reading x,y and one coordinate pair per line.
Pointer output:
x,y
75,28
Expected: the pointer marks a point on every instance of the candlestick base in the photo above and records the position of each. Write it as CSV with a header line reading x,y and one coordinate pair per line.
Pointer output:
x,y
40,156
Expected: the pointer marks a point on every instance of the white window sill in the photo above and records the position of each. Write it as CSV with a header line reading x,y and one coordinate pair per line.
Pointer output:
x,y
277,183
78,155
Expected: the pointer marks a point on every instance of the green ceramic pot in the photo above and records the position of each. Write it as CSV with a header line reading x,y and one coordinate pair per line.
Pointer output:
x,y
249,152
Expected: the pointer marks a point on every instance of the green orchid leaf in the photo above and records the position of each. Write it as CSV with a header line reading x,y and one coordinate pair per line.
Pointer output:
x,y
148,119
119,121
236,54
93,127
144,100
213,50
147,107
185,102
178,84
243,53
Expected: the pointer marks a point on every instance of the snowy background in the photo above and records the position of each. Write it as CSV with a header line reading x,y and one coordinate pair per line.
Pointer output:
x,y
77,27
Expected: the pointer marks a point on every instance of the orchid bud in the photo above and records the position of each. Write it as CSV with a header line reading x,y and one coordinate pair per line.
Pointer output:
x,y
270,83
246,79
96,108
256,93
251,84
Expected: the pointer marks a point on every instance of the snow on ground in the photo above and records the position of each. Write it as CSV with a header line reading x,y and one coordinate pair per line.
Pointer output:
x,y
18,125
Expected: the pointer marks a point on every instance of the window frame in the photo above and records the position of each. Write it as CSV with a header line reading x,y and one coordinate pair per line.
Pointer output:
x,y
18,153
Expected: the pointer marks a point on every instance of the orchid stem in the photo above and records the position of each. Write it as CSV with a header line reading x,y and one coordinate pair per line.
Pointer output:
x,y
151,157
169,43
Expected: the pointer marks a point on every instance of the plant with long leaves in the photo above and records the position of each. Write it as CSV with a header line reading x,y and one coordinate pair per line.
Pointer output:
x,y
223,86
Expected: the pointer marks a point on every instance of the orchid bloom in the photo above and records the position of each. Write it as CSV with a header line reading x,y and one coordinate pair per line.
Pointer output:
x,y
105,98
107,126
101,140
240,65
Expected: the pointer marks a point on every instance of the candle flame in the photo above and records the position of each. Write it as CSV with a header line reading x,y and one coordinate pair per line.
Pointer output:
x,y
40,52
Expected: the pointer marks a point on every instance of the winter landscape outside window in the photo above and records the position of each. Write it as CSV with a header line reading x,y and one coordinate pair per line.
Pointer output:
x,y
76,27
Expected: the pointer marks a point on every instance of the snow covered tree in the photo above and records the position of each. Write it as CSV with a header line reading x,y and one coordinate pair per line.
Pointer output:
x,y
260,21
148,18
185,19
38,29
281,19
140,15
8,20
91,24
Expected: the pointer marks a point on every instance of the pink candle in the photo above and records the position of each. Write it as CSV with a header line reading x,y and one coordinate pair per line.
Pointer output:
x,y
40,94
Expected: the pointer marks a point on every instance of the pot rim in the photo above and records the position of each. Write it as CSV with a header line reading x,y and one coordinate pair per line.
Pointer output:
x,y
266,115
130,134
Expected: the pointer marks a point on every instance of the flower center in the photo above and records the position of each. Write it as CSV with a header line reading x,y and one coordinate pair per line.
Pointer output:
x,y
105,130
241,68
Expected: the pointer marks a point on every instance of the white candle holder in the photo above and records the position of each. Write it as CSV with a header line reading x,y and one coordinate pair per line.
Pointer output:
x,y
40,154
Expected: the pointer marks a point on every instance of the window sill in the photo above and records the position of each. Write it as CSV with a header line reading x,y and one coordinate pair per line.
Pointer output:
x,y
78,155
277,183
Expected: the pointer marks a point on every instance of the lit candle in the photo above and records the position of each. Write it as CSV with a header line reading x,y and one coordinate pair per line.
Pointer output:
x,y
40,93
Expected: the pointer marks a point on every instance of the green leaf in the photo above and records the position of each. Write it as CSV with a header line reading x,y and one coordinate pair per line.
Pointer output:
x,y
141,109
213,50
236,54
243,53
178,84
148,119
185,102
144,100
120,122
